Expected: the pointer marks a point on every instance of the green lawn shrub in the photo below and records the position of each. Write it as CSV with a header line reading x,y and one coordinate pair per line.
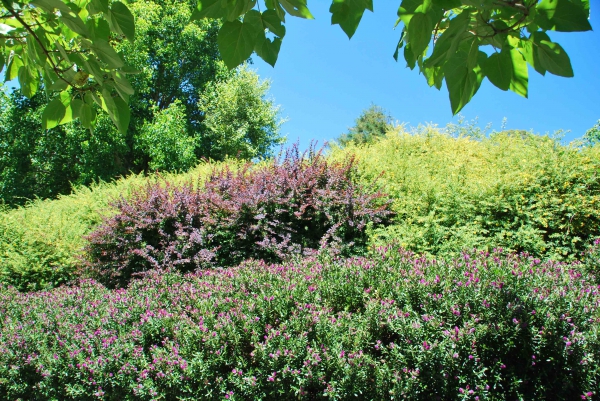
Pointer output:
x,y
294,204
41,243
482,326
515,190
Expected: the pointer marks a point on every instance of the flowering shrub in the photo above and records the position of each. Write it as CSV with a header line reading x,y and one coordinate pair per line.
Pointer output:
x,y
480,327
292,205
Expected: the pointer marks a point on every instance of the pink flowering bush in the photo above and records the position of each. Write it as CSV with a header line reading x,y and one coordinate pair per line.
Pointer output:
x,y
295,204
393,326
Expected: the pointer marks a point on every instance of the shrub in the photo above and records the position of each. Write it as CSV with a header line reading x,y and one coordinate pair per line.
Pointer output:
x,y
515,190
292,205
41,243
494,326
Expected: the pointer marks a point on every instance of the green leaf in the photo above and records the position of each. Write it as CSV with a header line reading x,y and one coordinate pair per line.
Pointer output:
x,y
74,23
410,58
275,6
122,85
122,20
530,52
236,41
50,5
554,58
117,110
399,45
447,4
449,41
240,7
297,8
563,15
272,22
462,82
12,71
29,81
520,75
419,33
58,111
210,9
348,13
83,112
268,50
434,76
97,6
107,54
407,9
498,69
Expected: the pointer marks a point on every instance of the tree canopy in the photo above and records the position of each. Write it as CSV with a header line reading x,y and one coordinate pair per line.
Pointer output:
x,y
71,44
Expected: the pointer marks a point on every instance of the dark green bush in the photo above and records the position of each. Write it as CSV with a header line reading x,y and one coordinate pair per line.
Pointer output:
x,y
293,205
397,326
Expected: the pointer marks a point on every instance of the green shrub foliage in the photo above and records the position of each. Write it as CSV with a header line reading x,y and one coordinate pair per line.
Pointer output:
x,y
294,204
515,190
482,326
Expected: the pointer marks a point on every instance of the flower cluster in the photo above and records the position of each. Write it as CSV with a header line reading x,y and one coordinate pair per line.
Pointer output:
x,y
395,325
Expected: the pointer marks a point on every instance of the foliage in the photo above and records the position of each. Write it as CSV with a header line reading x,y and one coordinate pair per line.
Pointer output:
x,y
482,326
239,120
442,37
178,64
39,164
592,136
513,189
41,243
292,205
372,123
68,47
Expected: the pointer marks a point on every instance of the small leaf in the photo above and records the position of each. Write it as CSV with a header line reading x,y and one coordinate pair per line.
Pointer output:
x,y
419,33
106,53
29,82
58,111
121,18
236,41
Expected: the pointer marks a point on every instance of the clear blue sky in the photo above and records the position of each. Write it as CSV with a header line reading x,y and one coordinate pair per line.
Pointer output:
x,y
323,81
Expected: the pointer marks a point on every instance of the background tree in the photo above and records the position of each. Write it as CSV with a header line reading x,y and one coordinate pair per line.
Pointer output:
x,y
175,61
592,136
372,123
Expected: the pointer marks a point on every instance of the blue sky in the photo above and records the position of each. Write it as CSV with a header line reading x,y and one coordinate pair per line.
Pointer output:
x,y
323,81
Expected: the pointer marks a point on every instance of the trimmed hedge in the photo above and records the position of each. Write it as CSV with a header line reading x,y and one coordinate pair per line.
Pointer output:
x,y
480,327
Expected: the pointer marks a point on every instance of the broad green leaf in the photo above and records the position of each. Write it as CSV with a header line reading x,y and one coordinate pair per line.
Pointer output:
x,y
122,85
520,75
273,23
58,111
268,50
97,6
240,7
76,106
498,69
419,33
530,52
447,4
28,81
399,45
407,9
449,41
462,82
297,8
348,13
50,5
563,15
117,110
554,58
275,6
83,111
409,56
236,41
122,20
74,23
434,76
210,9
12,71
107,54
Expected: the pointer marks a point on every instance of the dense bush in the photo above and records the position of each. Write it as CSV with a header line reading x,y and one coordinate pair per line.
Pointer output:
x,y
41,243
294,204
479,327
514,190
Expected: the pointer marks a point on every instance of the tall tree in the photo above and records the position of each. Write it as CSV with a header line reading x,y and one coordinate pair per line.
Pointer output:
x,y
374,122
176,64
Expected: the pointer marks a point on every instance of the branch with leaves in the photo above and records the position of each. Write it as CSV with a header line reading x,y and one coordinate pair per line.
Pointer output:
x,y
67,47
459,42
